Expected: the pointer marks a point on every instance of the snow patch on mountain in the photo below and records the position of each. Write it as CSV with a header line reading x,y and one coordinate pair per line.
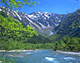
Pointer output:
x,y
42,25
17,15
0,9
32,22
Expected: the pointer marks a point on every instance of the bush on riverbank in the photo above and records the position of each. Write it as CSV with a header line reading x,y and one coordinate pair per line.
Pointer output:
x,y
68,44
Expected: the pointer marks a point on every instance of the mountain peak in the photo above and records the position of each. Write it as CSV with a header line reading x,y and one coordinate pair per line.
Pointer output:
x,y
41,21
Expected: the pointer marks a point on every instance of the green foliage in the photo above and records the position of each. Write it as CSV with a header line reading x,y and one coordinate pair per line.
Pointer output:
x,y
31,46
3,14
7,61
68,44
16,3
12,32
38,39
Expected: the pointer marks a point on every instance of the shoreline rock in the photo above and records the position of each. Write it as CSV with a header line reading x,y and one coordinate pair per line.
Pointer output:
x,y
68,52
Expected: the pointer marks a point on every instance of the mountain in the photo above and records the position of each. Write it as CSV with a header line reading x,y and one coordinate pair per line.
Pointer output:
x,y
44,22
70,25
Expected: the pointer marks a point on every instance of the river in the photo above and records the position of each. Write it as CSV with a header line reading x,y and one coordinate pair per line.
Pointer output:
x,y
41,56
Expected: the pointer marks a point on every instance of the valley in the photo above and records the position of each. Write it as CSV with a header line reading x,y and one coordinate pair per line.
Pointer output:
x,y
40,30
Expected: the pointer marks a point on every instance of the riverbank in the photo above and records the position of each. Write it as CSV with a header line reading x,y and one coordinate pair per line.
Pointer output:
x,y
15,50
68,52
57,51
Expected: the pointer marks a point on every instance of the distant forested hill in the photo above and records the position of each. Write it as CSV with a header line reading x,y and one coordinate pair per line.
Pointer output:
x,y
70,25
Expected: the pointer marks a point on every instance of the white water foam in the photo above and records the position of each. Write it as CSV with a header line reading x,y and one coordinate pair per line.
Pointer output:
x,y
49,58
69,58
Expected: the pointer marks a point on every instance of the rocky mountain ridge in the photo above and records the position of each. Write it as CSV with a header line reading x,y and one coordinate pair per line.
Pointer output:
x,y
43,22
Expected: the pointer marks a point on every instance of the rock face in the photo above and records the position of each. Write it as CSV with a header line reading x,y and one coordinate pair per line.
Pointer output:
x,y
43,22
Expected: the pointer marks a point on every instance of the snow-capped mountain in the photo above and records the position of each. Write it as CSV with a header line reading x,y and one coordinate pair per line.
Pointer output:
x,y
44,22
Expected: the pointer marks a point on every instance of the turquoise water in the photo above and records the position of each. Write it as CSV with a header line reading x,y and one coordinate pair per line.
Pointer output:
x,y
42,56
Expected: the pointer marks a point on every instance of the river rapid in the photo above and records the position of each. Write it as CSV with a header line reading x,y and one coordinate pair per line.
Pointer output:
x,y
41,56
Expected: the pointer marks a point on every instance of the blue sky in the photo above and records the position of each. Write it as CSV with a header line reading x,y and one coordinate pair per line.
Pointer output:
x,y
53,6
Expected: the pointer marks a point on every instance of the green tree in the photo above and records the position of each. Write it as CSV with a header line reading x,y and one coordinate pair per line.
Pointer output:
x,y
13,31
11,4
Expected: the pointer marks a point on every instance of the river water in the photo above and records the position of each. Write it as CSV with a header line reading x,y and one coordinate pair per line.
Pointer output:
x,y
42,56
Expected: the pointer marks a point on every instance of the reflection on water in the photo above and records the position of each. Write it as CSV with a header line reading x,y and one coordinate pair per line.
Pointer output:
x,y
42,56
